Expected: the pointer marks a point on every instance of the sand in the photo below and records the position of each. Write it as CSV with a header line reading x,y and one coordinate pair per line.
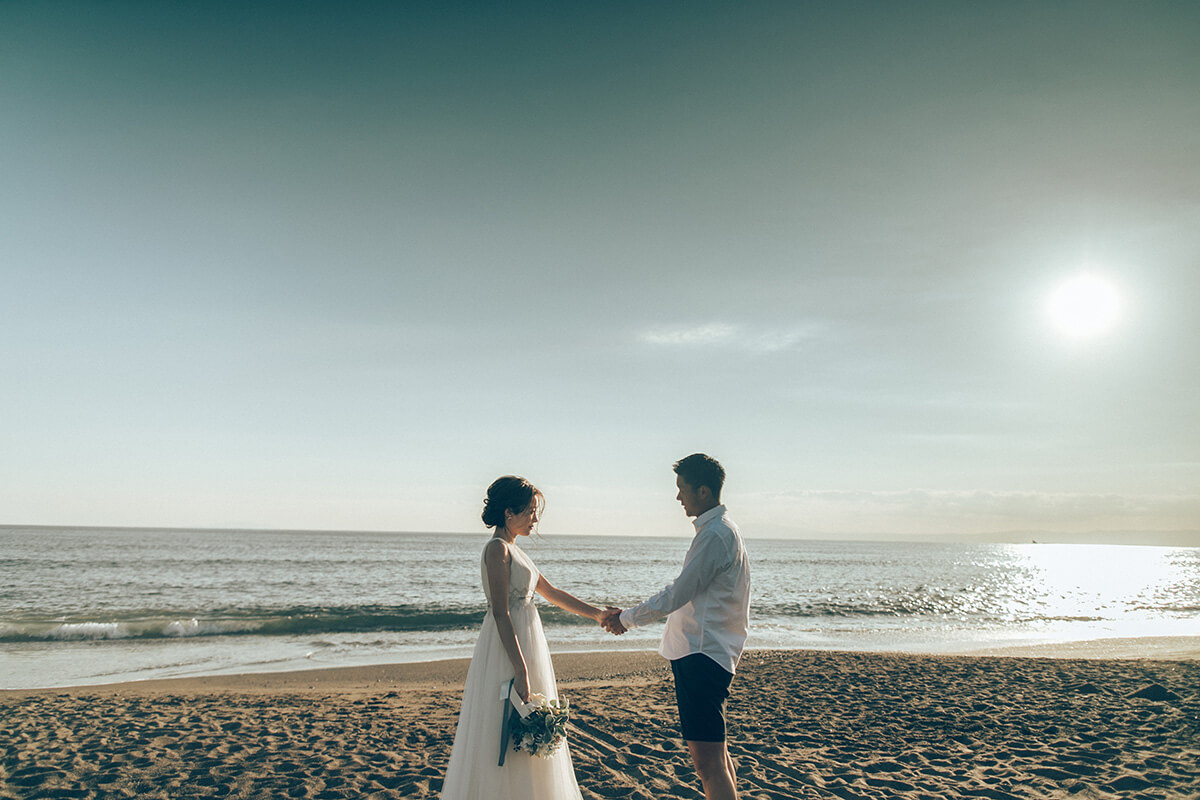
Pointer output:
x,y
802,724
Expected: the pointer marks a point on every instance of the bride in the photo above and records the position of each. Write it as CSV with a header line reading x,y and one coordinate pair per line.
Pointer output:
x,y
511,645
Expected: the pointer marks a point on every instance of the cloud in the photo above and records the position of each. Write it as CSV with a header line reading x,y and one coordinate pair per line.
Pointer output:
x,y
690,336
758,340
937,512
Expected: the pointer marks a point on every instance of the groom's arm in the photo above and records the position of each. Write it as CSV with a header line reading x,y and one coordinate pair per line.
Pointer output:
x,y
699,567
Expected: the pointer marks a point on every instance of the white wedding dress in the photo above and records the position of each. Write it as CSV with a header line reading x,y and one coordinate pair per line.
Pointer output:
x,y
473,773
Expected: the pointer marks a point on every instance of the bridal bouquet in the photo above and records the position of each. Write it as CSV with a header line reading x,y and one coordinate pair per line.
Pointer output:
x,y
543,729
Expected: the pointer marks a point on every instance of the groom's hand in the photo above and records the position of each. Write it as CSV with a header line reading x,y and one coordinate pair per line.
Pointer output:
x,y
612,621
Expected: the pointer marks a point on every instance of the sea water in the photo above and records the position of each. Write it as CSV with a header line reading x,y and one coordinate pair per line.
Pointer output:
x,y
85,606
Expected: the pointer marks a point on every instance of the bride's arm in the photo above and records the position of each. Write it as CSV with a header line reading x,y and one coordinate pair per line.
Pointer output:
x,y
497,559
566,600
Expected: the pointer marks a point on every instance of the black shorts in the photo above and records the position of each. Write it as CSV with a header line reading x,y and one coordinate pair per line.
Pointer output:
x,y
701,686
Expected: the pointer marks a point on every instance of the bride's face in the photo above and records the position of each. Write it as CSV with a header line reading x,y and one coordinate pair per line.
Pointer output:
x,y
522,524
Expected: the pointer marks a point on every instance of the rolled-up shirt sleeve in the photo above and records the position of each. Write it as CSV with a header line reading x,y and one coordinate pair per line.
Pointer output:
x,y
706,556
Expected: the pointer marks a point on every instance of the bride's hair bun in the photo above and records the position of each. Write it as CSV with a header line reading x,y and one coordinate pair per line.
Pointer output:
x,y
509,493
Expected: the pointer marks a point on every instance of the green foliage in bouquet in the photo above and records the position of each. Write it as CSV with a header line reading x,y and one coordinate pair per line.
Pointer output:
x,y
540,733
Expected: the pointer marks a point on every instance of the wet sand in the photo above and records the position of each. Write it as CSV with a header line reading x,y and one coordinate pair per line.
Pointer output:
x,y
802,724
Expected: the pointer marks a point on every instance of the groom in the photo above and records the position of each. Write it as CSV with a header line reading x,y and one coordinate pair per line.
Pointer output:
x,y
708,612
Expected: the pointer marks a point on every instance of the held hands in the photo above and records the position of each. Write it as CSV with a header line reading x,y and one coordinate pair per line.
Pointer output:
x,y
610,620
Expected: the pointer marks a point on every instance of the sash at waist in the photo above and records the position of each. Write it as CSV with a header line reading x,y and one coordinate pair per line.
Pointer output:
x,y
517,601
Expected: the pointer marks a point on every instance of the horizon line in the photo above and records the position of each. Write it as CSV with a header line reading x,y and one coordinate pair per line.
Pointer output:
x,y
993,537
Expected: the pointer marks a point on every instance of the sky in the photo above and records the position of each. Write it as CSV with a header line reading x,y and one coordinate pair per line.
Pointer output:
x,y
339,265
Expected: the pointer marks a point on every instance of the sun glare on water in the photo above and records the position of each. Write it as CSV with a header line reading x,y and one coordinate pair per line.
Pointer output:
x,y
1085,306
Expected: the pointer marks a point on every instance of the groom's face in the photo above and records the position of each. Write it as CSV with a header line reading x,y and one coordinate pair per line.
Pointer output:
x,y
689,497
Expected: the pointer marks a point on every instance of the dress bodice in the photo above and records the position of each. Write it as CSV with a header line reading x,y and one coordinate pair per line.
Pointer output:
x,y
522,577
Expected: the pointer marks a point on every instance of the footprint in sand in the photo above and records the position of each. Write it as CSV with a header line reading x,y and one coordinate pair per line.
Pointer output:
x,y
28,777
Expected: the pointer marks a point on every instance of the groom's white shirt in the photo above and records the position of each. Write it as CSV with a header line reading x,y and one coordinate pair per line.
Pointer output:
x,y
709,603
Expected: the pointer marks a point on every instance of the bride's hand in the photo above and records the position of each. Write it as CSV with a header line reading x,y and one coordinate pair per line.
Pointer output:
x,y
521,684
611,621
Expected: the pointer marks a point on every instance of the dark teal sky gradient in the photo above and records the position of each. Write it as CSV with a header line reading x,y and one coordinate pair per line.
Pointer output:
x,y
339,265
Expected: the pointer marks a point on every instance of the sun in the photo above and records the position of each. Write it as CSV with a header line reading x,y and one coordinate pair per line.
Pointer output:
x,y
1085,306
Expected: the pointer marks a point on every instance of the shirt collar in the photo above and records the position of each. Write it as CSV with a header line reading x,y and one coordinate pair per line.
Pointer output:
x,y
712,513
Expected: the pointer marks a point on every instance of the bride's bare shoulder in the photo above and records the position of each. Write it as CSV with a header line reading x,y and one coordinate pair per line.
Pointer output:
x,y
497,550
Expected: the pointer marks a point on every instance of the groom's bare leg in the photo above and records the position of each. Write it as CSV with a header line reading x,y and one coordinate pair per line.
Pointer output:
x,y
715,768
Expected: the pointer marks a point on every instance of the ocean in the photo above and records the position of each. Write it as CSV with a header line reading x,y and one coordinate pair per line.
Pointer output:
x,y
88,606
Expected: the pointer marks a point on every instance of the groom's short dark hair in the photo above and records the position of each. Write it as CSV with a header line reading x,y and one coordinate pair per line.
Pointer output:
x,y
700,470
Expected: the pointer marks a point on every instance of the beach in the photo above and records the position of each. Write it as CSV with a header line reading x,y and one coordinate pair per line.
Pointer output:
x,y
802,724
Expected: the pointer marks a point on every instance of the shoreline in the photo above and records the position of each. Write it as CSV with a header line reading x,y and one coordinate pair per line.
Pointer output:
x,y
439,675
586,665
1153,648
